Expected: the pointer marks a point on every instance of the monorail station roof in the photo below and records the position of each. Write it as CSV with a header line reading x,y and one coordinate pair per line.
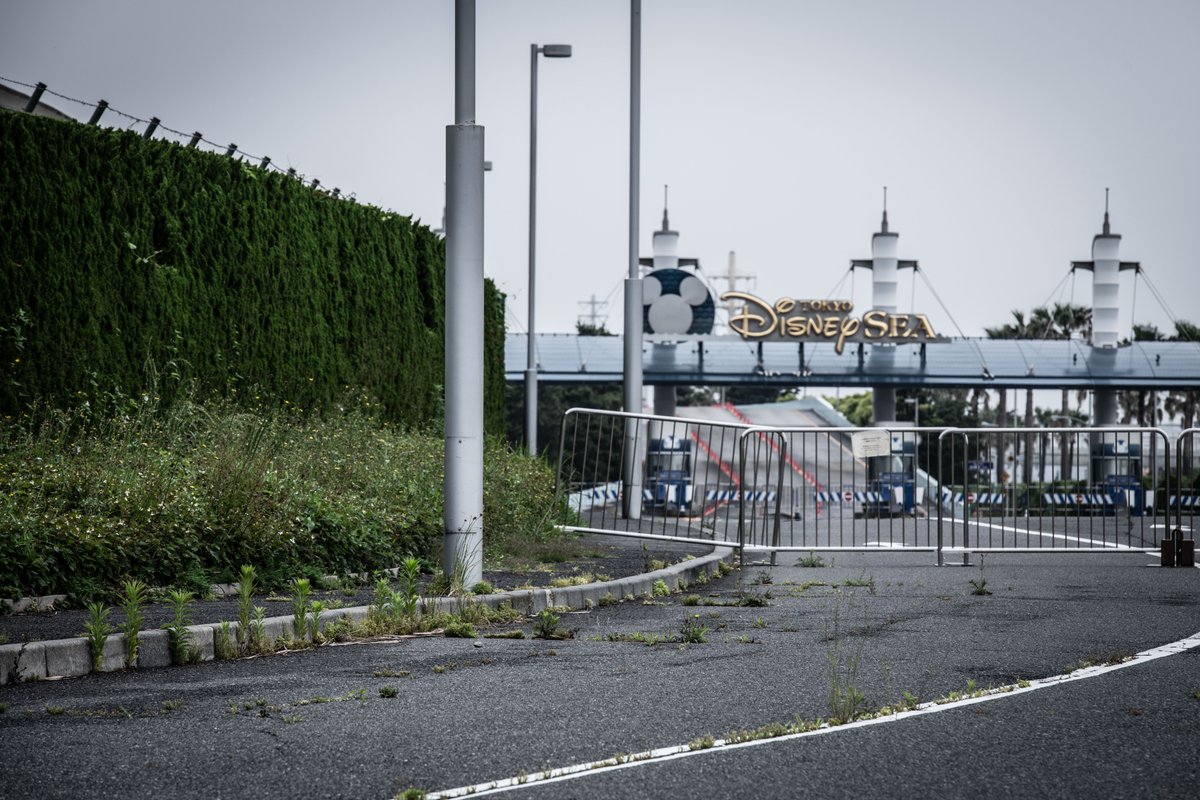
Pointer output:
x,y
730,360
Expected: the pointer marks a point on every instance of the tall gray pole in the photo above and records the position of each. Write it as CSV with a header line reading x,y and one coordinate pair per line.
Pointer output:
x,y
531,376
462,544
631,459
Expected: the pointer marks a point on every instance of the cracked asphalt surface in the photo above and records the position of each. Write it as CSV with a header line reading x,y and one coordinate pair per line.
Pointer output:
x,y
314,723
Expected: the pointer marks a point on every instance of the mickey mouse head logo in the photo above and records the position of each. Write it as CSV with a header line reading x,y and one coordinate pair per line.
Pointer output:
x,y
677,302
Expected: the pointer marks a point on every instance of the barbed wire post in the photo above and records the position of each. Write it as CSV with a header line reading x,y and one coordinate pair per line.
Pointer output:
x,y
35,98
100,107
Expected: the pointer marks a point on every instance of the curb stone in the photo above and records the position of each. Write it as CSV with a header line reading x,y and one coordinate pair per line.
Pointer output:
x,y
62,658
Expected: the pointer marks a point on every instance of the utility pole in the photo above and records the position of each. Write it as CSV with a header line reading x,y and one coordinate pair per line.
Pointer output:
x,y
732,279
593,317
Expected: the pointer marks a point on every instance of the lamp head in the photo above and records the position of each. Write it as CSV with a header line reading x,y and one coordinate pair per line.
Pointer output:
x,y
555,50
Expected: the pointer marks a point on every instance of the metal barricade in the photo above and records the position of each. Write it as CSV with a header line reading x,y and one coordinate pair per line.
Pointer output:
x,y
1053,490
830,499
942,490
652,477
1183,501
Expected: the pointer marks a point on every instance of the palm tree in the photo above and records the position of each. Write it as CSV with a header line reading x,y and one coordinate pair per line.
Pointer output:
x,y
1133,404
1061,322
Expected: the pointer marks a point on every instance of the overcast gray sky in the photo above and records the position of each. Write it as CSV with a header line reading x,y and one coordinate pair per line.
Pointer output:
x,y
996,127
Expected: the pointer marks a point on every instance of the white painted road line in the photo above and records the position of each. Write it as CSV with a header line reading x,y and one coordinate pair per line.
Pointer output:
x,y
662,754
1050,535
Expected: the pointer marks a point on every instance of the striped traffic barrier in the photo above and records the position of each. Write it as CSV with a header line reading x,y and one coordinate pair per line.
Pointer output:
x,y
1077,499
736,496
849,497
975,498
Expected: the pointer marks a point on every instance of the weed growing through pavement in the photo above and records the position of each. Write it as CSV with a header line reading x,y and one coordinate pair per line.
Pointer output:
x,y
979,587
408,593
545,626
483,587
172,705
182,650
245,591
692,632
1111,659
579,580
96,631
861,581
753,599
640,637
132,600
459,629
455,583
388,672
846,701
911,701
811,560
516,633
314,621
691,600
388,691
300,592
257,641
223,645
411,793
659,589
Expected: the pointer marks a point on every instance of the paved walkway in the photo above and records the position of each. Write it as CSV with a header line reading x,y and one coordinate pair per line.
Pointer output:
x,y
778,639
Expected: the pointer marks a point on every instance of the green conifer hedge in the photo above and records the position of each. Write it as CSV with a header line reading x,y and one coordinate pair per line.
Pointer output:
x,y
129,265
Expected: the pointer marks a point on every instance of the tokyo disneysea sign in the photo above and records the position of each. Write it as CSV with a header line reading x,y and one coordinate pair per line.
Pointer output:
x,y
825,321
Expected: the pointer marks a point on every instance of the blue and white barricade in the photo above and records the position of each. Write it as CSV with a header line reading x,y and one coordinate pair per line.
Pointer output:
x,y
1191,501
849,497
739,496
586,499
974,498
1079,499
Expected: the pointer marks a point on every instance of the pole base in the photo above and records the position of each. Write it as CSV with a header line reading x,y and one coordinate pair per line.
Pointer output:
x,y
1177,551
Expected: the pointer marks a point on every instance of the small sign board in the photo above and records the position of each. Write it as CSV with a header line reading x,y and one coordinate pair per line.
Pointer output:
x,y
868,444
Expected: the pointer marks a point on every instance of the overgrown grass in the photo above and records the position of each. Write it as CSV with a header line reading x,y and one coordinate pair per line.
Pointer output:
x,y
183,497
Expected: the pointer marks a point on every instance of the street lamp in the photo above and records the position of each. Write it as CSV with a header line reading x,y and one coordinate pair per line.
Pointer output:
x,y
549,51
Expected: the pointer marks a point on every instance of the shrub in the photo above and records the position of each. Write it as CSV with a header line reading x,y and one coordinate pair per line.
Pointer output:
x,y
185,496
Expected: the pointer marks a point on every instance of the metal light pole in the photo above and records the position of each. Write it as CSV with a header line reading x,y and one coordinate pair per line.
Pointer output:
x,y
531,378
462,542
632,370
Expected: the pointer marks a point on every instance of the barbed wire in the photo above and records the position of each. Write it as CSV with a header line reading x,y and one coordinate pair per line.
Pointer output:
x,y
194,139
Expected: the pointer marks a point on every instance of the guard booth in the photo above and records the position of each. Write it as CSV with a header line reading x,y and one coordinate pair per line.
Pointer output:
x,y
891,478
979,473
1117,469
668,475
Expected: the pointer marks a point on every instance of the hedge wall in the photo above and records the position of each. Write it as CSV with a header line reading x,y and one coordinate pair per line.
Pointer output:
x,y
127,264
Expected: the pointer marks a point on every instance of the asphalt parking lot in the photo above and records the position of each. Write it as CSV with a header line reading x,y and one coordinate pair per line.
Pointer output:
x,y
466,713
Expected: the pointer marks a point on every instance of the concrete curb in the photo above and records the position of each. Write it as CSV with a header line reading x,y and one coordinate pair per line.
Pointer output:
x,y
65,658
